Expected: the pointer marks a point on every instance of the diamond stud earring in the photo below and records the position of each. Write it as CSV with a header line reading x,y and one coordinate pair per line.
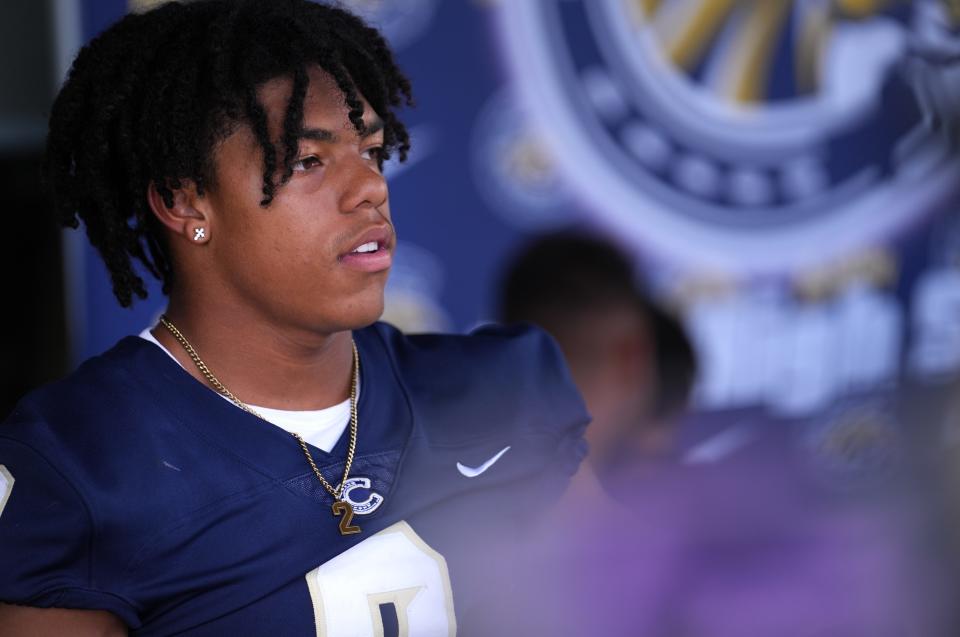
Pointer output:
x,y
199,234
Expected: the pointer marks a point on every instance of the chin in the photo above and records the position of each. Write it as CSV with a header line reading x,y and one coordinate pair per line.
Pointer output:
x,y
369,318
365,311
344,309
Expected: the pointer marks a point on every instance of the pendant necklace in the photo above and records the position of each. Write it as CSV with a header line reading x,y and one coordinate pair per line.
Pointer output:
x,y
341,508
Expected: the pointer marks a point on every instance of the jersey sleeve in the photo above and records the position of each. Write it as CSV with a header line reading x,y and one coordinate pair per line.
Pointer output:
x,y
558,408
500,382
46,534
536,374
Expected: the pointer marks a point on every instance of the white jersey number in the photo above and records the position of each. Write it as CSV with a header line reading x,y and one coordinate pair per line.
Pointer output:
x,y
6,486
390,585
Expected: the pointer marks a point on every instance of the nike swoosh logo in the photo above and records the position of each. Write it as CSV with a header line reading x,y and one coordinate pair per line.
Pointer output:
x,y
473,472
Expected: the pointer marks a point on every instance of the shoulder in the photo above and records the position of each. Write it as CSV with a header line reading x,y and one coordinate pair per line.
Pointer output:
x,y
493,344
105,419
103,389
495,376
516,359
109,370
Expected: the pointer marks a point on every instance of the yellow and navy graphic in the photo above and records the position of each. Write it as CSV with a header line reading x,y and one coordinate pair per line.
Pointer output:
x,y
746,42
751,128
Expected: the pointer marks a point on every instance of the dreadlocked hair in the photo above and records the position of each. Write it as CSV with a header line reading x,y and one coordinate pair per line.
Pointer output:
x,y
147,101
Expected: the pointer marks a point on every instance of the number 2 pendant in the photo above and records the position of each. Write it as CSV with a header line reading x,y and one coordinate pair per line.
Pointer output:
x,y
342,508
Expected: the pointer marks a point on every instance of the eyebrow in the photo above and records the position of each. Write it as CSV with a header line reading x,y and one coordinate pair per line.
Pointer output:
x,y
324,135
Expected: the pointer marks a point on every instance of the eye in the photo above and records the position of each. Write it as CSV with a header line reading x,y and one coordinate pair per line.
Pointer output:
x,y
375,153
306,163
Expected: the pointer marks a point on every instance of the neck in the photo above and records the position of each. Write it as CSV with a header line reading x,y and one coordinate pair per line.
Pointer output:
x,y
261,363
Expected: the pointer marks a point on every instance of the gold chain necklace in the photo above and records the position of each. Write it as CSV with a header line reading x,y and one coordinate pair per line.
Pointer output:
x,y
341,508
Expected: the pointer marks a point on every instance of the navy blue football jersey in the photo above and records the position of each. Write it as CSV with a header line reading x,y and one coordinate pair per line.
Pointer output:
x,y
133,488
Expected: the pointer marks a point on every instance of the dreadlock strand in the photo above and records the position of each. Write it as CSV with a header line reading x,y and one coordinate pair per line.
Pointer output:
x,y
293,122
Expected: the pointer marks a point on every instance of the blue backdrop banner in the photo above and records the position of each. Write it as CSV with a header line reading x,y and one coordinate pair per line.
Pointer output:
x,y
769,164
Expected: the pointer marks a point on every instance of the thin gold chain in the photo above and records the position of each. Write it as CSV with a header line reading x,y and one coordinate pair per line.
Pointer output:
x,y
337,492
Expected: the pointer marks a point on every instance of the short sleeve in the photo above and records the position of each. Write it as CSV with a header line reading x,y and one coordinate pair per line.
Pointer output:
x,y
46,538
498,382
565,413
538,373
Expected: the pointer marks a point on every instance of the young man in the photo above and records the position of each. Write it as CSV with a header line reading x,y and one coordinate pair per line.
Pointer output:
x,y
264,461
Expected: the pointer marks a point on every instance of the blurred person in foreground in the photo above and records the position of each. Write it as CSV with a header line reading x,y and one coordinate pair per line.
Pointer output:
x,y
632,361
751,545
269,460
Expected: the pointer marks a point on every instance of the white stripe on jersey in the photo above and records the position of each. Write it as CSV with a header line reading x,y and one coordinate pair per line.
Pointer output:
x,y
6,486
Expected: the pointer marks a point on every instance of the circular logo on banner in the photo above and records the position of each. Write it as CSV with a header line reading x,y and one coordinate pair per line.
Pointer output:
x,y
756,136
513,168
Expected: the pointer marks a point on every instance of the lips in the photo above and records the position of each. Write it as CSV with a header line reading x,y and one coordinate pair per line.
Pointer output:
x,y
370,251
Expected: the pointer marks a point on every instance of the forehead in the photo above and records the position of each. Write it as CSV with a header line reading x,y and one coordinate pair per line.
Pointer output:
x,y
323,106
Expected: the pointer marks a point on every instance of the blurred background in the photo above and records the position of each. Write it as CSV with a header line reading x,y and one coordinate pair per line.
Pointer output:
x,y
778,176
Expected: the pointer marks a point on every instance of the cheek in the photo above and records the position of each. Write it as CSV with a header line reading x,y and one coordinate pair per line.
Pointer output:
x,y
300,254
292,252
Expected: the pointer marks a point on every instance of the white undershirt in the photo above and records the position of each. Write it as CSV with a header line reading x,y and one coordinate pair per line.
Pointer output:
x,y
321,428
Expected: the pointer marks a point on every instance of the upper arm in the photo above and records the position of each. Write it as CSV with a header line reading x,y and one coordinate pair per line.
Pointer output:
x,y
25,621
47,549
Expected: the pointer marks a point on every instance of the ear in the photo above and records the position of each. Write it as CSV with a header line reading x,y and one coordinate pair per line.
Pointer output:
x,y
633,356
188,217
634,378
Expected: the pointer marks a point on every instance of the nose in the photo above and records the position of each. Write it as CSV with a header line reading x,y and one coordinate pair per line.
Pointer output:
x,y
365,187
